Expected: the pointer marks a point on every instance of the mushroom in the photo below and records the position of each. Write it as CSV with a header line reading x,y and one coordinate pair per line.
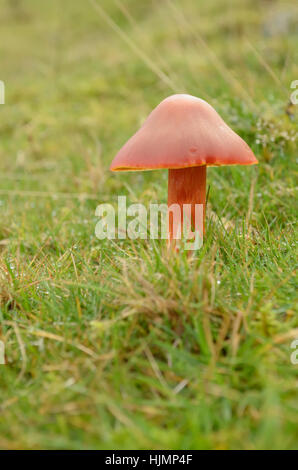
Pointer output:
x,y
185,135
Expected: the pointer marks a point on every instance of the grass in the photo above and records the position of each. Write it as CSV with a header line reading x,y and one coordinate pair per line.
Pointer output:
x,y
119,344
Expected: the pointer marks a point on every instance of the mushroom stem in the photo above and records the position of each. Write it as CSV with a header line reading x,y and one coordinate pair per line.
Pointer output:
x,y
186,186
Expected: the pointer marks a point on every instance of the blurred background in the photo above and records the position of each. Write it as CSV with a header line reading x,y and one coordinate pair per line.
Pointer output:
x,y
82,75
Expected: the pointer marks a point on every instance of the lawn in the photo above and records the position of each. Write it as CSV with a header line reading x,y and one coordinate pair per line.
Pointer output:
x,y
121,344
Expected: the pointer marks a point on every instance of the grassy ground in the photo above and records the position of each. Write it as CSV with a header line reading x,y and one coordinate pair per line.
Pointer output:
x,y
118,344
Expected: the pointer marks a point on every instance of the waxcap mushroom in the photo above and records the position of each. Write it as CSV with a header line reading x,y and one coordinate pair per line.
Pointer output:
x,y
184,134
181,132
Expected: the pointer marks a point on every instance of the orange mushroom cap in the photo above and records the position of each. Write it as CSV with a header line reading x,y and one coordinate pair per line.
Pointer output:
x,y
183,131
